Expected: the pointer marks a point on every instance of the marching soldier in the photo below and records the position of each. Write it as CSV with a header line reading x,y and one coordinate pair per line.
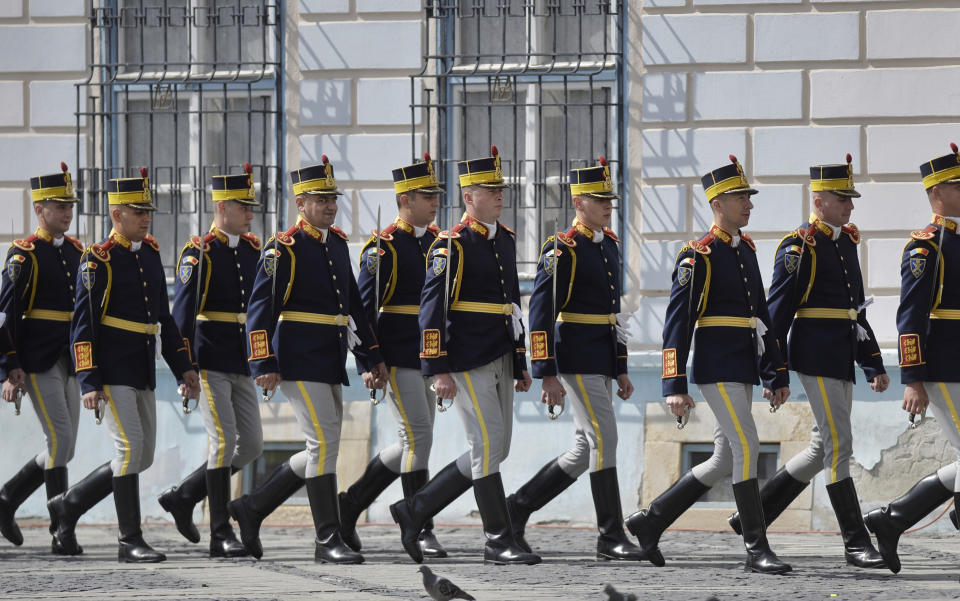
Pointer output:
x,y
817,295
390,282
472,345
210,308
38,297
733,351
574,334
299,330
928,321
120,310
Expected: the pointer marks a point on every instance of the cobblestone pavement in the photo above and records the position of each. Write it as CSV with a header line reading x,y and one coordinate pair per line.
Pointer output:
x,y
700,565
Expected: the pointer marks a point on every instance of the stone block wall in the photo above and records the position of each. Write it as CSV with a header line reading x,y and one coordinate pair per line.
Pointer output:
x,y
348,97
43,52
783,85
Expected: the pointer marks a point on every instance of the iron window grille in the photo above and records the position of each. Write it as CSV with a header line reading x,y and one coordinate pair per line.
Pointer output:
x,y
541,79
187,89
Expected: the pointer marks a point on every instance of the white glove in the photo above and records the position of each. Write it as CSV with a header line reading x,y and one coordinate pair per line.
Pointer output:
x,y
517,322
761,330
623,334
353,339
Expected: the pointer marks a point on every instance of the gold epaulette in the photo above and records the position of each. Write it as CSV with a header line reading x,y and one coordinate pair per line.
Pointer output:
x,y
252,239
852,231
702,245
286,238
749,241
566,239
339,232
385,234
26,244
102,251
152,242
199,243
925,234
433,229
75,242
509,231
611,234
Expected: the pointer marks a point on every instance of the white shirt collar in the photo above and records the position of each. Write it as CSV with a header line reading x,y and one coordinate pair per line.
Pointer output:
x,y
232,239
736,241
491,229
323,233
58,242
418,231
135,246
597,237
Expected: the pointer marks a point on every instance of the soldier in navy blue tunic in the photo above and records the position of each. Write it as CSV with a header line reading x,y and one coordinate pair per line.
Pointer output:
x,y
210,307
928,321
578,350
472,344
391,281
121,317
817,296
37,297
718,301
305,313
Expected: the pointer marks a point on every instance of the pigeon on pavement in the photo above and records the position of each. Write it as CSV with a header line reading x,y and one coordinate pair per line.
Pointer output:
x,y
615,595
440,588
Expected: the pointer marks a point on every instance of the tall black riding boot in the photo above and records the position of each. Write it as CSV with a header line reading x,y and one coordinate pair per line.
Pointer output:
x,y
648,525
126,497
545,486
14,492
612,542
181,499
223,542
55,481
411,514
429,545
375,479
250,510
776,495
858,548
500,547
759,556
66,508
325,508
889,522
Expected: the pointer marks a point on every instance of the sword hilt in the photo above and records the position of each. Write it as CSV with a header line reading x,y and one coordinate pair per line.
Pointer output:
x,y
97,411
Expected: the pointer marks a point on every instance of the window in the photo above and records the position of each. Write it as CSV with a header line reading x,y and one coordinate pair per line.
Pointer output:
x,y
274,454
541,79
187,89
722,494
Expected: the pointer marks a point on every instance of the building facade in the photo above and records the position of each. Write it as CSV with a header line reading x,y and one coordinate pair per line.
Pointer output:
x,y
665,89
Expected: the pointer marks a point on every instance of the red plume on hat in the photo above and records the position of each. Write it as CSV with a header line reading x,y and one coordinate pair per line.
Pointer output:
x,y
143,172
602,160
733,159
954,148
493,150
324,159
63,166
247,168
426,157
849,158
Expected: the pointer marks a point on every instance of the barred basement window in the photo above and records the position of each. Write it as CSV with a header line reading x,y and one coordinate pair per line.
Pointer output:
x,y
722,494
541,79
188,89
